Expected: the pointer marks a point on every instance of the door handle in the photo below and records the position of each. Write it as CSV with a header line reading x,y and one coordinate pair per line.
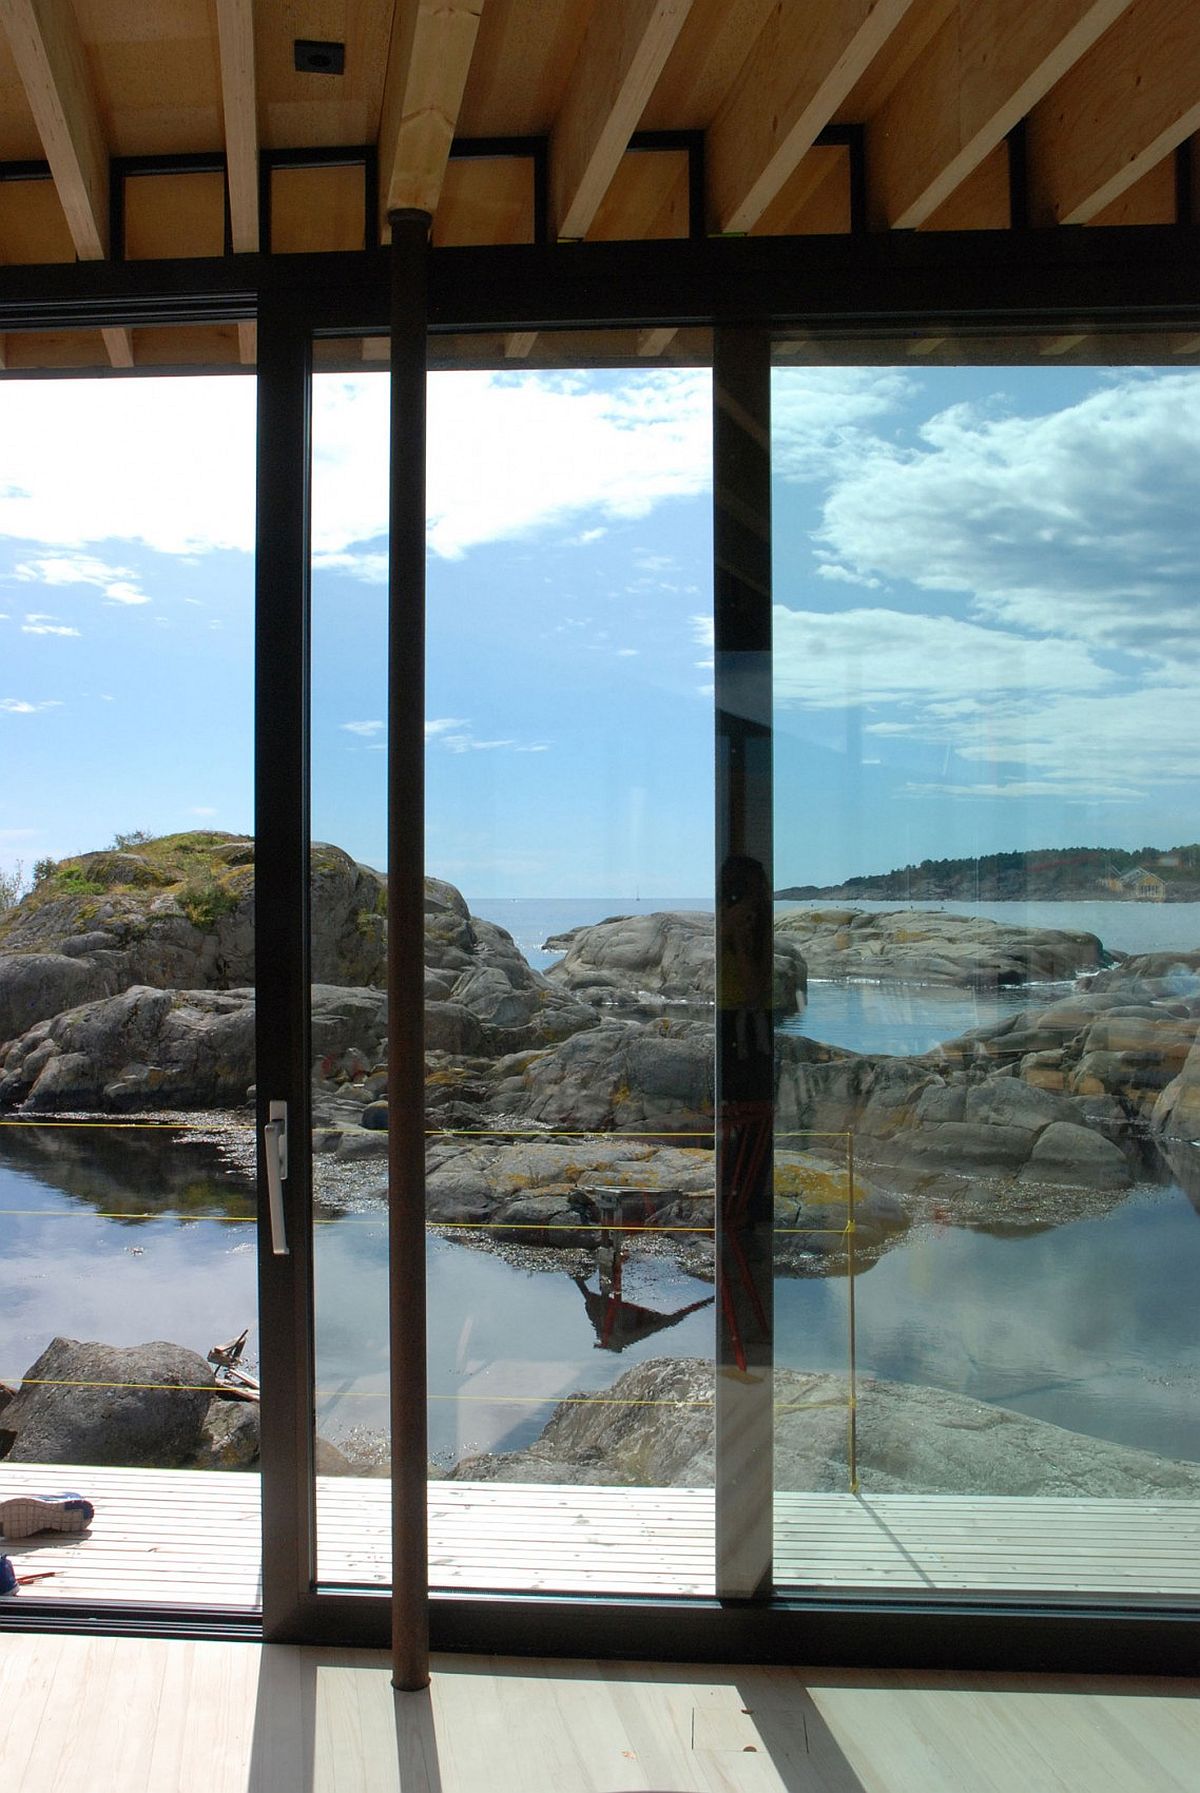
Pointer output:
x,y
276,1151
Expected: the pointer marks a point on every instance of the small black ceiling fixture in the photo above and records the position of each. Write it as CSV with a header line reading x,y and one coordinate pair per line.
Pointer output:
x,y
316,58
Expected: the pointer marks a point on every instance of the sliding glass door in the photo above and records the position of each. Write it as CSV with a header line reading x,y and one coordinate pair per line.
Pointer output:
x,y
129,1325
985,1176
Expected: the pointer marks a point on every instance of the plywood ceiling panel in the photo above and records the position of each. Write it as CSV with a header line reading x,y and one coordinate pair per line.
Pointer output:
x,y
300,110
704,64
524,55
485,201
981,202
155,74
818,191
19,140
648,198
32,225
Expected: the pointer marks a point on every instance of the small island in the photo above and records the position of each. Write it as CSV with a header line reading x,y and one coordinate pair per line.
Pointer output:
x,y
1034,875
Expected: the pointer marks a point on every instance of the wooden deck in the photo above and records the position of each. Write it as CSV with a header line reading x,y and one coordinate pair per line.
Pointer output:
x,y
192,1537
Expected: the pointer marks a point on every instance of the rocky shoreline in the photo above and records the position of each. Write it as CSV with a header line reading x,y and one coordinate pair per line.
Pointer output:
x,y
126,987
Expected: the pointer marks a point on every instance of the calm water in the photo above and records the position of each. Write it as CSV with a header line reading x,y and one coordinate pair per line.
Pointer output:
x,y
128,1236
1091,1326
881,1017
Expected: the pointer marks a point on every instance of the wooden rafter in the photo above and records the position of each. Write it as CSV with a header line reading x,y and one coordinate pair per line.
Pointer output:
x,y
798,72
986,68
622,55
1128,103
428,62
51,62
239,100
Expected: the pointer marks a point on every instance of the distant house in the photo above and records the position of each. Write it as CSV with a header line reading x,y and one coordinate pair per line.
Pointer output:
x,y
1137,885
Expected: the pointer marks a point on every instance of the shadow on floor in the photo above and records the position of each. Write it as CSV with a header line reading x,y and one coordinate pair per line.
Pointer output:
x,y
328,1717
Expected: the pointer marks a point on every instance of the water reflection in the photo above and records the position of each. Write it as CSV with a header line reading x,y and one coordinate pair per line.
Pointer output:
x,y
618,1323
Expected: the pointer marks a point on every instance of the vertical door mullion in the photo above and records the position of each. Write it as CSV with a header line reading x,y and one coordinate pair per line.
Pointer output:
x,y
282,956
744,1425
406,950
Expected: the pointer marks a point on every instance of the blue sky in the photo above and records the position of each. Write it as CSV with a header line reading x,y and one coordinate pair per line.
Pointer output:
x,y
984,579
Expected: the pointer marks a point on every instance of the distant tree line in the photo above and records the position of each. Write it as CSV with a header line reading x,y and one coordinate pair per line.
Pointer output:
x,y
1041,874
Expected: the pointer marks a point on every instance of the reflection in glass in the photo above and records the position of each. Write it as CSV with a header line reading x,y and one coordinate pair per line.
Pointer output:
x,y
568,1031
978,728
128,1286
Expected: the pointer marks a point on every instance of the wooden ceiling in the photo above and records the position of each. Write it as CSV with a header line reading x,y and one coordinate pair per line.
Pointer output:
x,y
812,117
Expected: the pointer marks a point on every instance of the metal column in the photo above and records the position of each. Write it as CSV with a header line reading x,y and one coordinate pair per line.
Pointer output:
x,y
406,951
745,959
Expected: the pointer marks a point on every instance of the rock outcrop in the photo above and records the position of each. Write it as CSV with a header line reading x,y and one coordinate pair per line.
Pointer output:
x,y
653,1428
144,1406
641,964
924,947
173,914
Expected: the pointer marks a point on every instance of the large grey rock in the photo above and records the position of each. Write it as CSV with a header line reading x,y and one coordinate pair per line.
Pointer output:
x,y
644,962
180,914
143,1406
653,1428
151,1048
656,1078
1068,1154
925,947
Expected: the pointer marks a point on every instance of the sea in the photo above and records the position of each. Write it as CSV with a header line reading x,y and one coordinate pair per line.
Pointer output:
x,y
1090,1324
877,1017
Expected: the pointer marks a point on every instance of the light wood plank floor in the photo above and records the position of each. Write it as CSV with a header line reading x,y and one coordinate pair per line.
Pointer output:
x,y
105,1715
189,1536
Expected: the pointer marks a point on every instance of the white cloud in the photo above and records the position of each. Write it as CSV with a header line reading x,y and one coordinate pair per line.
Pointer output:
x,y
587,536
1080,521
119,584
820,415
829,569
201,809
628,653
140,463
869,656
456,735
37,624
507,455
18,706
1101,747
363,728
369,567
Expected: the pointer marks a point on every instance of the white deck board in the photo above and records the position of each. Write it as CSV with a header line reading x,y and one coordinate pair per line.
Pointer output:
x,y
187,1536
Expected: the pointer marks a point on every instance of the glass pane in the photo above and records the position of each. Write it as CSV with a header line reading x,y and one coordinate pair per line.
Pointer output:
x,y
128,1298
570,977
984,724
569,1053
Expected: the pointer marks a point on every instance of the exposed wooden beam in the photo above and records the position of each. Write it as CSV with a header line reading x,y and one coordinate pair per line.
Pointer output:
x,y
518,344
1128,103
626,44
802,65
119,344
239,100
984,70
652,342
51,62
428,62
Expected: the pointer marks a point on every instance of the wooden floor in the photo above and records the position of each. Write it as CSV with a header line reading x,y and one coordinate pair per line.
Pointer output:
x,y
192,1537
106,1715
